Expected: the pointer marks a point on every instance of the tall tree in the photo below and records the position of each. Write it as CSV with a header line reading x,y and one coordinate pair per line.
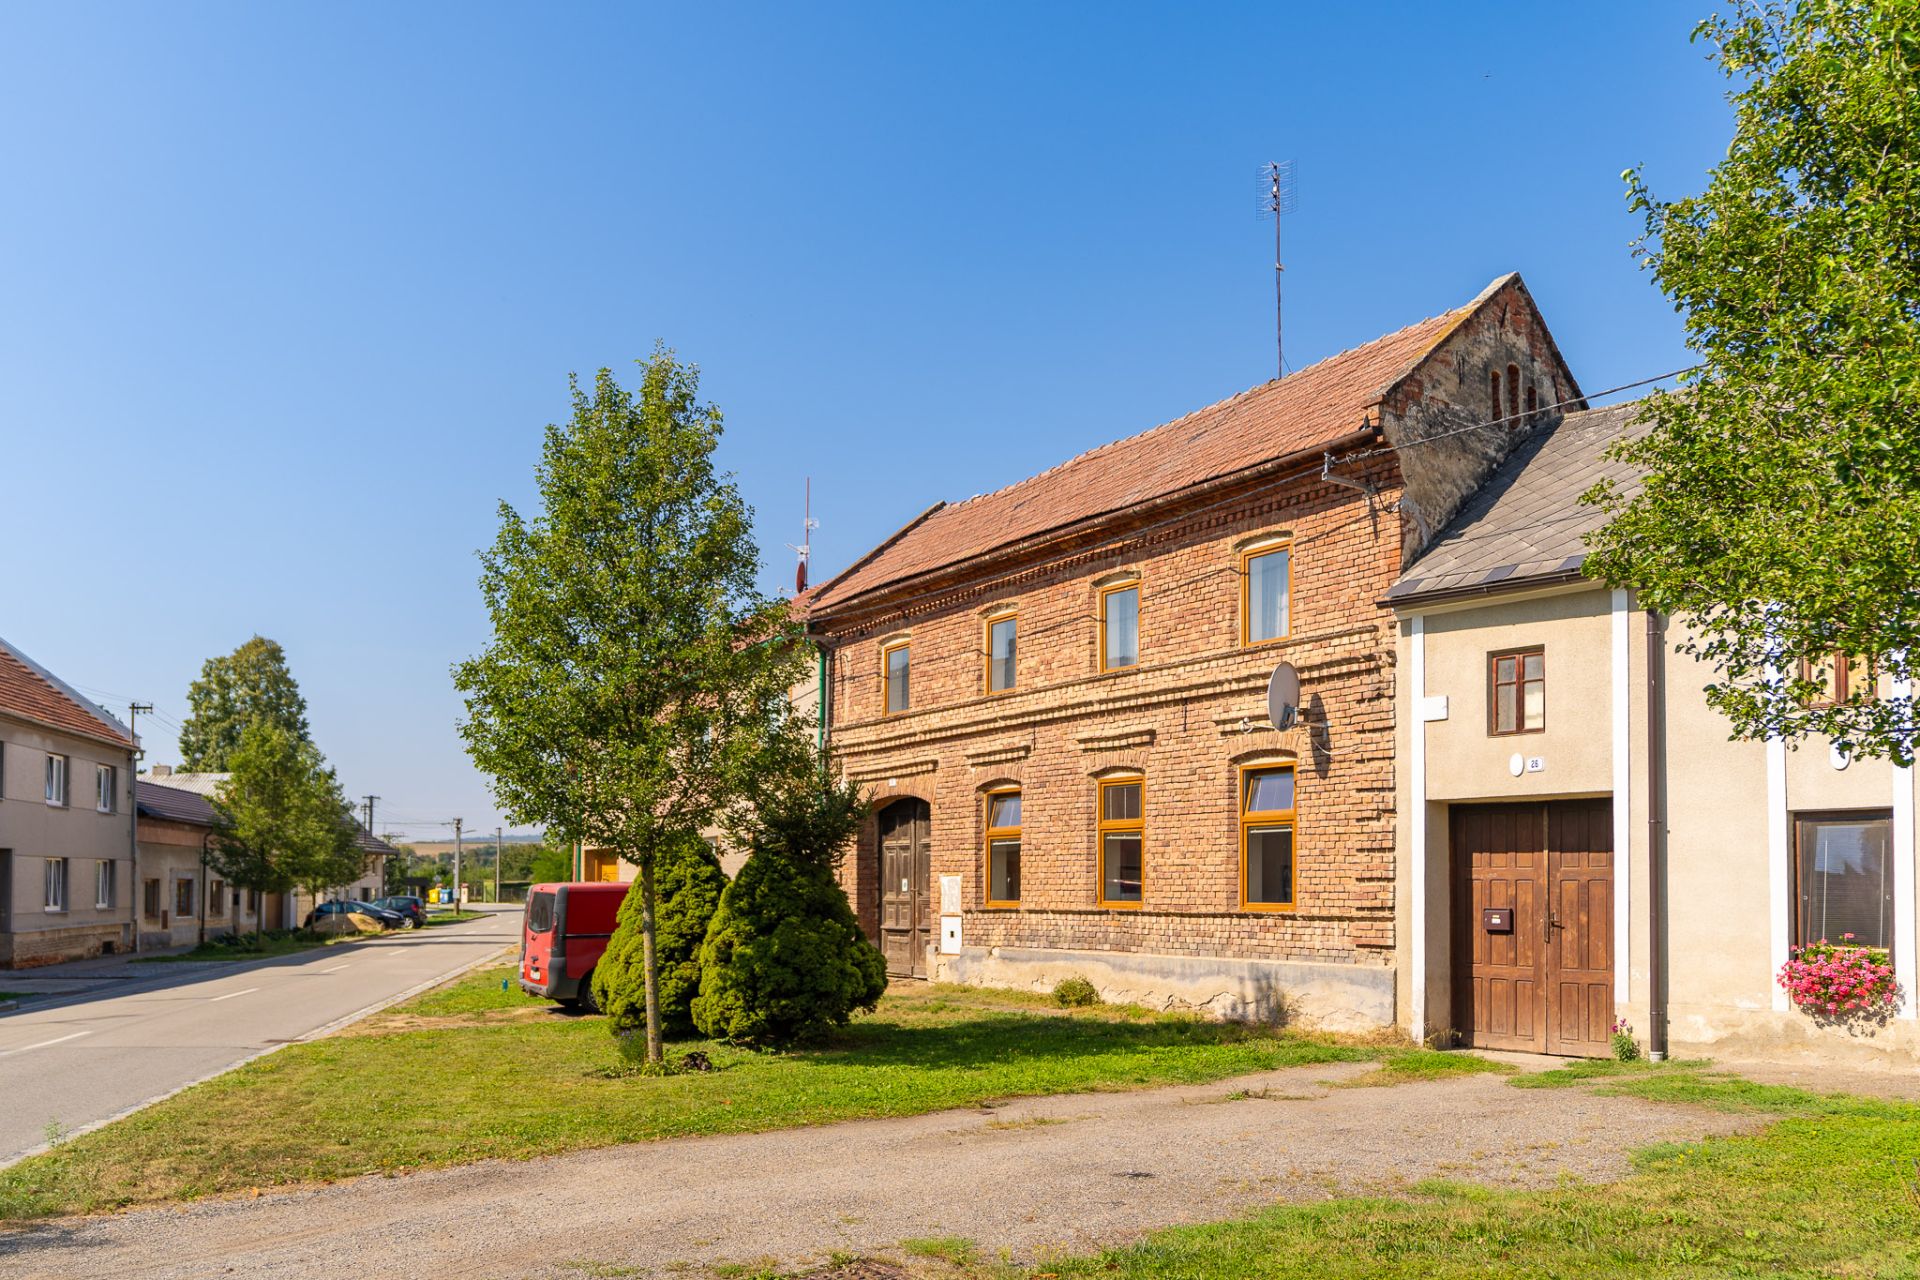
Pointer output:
x,y
636,679
280,820
251,683
1780,514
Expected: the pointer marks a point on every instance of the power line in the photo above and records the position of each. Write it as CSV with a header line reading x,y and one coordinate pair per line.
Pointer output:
x,y
1508,420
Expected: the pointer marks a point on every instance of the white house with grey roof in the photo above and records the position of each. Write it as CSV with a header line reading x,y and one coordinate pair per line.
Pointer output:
x,y
1582,843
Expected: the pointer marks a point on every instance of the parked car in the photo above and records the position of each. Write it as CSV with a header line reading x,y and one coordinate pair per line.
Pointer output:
x,y
379,915
413,909
566,932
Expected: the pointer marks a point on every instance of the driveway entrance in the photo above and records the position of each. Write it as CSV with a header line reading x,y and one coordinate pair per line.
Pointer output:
x,y
1533,925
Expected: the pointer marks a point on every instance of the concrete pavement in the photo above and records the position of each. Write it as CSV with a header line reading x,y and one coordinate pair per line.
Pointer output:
x,y
73,1064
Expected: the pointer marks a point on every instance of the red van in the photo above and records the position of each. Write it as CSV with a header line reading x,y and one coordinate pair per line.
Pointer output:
x,y
565,935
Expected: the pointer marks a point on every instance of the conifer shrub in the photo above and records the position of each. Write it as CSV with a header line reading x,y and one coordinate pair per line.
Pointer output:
x,y
688,883
784,961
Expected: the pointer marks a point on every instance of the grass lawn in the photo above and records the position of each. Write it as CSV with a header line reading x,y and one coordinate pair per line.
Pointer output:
x,y
253,946
451,917
1830,1190
472,1070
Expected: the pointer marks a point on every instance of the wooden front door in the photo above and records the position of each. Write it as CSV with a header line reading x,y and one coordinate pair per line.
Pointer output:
x,y
1539,978
905,913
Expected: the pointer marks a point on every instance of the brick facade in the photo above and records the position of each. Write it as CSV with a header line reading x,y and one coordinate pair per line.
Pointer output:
x,y
1186,719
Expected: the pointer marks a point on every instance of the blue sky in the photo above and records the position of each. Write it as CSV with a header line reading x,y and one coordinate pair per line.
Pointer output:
x,y
287,293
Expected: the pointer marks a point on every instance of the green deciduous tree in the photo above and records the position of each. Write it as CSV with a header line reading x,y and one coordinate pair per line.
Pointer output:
x,y
251,683
1780,515
280,820
689,881
636,679
784,960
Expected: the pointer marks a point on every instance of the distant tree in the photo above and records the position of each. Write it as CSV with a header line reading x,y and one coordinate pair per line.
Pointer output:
x,y
552,864
1780,514
689,882
280,820
251,683
399,866
784,959
636,676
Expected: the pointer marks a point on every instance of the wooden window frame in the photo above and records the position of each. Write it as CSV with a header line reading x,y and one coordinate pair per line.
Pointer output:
x,y
1796,819
1247,557
886,685
1520,689
997,833
1843,679
1250,819
1102,828
1113,590
991,621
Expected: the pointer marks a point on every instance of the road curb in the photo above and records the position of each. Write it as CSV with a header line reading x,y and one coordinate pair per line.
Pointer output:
x,y
316,1034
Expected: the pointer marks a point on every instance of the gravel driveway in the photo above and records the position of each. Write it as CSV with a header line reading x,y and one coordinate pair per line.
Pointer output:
x,y
1070,1173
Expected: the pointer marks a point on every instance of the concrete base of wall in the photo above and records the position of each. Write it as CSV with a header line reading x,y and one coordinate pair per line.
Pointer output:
x,y
1336,997
1791,1037
27,950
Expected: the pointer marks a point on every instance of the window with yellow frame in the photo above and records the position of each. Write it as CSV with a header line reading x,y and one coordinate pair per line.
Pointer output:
x,y
1267,838
1120,626
1002,641
895,664
1003,847
1120,834
1266,596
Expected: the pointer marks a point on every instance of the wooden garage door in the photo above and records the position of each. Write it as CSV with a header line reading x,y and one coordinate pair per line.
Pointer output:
x,y
1541,978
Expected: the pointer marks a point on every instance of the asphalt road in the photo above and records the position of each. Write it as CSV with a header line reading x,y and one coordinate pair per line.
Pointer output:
x,y
79,1062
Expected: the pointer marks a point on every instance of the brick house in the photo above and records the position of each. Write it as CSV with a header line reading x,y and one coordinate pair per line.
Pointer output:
x,y
1056,691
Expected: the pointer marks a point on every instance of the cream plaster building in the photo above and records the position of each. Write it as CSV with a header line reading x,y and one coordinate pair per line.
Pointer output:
x,y
1582,841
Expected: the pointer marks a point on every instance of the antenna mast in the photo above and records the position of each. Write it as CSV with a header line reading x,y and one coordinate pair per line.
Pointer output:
x,y
805,548
1277,198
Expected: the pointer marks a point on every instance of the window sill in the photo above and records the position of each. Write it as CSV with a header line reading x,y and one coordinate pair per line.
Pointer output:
x,y
1269,908
53,911
1119,906
1000,906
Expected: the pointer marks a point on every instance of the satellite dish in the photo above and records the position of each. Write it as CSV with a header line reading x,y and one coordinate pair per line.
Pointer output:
x,y
1283,696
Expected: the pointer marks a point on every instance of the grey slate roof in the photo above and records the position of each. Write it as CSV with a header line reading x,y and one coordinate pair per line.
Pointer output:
x,y
1525,524
175,804
182,804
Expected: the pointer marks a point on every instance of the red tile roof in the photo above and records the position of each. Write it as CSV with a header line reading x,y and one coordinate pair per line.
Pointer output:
x,y
30,692
1277,419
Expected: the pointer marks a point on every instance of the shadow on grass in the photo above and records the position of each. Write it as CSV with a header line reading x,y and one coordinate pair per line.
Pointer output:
x,y
987,1039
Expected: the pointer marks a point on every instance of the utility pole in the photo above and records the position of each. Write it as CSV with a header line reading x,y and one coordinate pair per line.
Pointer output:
x,y
133,821
457,824
496,864
384,874
1277,200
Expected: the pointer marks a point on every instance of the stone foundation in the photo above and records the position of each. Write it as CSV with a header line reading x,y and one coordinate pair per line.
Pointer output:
x,y
1336,997
51,946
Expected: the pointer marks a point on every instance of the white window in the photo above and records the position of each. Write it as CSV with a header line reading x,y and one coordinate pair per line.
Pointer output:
x,y
106,790
103,884
56,780
56,884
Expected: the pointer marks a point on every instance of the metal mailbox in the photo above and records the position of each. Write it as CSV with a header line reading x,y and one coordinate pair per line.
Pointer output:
x,y
1496,919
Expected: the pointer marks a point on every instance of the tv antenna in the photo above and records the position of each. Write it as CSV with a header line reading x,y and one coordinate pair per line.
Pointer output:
x,y
805,547
1278,197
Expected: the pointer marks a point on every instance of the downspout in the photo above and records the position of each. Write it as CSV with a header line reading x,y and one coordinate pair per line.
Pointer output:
x,y
203,887
1656,838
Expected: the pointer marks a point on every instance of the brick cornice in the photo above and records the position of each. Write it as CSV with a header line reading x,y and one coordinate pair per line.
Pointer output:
x,y
1106,694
